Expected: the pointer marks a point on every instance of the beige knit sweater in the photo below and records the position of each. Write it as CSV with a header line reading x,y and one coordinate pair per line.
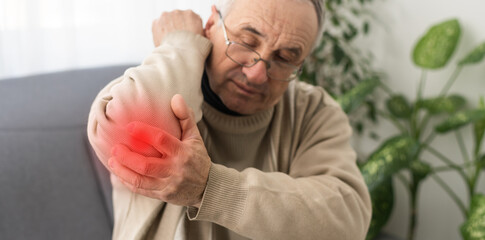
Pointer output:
x,y
285,173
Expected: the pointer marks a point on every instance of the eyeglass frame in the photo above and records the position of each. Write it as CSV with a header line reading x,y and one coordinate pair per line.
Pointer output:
x,y
267,62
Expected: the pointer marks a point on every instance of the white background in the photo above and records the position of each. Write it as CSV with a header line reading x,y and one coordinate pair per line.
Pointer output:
x,y
48,35
51,35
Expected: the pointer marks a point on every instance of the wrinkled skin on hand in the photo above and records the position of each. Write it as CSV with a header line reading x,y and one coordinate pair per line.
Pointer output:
x,y
180,175
176,20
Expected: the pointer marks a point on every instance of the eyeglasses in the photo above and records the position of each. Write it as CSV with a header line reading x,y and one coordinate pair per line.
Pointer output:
x,y
247,57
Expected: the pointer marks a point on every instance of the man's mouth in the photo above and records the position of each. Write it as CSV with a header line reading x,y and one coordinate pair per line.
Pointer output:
x,y
245,89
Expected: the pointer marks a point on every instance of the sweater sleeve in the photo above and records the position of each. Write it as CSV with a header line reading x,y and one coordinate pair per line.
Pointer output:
x,y
323,196
144,92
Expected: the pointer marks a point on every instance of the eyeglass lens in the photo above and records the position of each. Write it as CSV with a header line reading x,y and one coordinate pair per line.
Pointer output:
x,y
248,57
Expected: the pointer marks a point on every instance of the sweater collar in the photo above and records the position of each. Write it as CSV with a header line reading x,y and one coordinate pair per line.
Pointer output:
x,y
214,100
236,124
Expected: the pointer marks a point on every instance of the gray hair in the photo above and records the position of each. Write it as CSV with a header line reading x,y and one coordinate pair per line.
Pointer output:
x,y
225,6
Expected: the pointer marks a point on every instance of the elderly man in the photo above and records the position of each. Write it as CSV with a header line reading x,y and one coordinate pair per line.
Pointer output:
x,y
222,142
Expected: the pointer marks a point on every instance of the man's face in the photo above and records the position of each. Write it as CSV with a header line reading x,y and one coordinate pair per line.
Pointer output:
x,y
276,29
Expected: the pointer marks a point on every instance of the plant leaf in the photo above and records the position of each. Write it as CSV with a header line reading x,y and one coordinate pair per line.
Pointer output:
x,y
474,226
338,54
479,131
335,21
481,162
382,203
359,126
449,104
460,119
479,128
435,48
353,98
392,156
399,106
420,170
366,27
308,76
371,111
351,33
475,56
374,136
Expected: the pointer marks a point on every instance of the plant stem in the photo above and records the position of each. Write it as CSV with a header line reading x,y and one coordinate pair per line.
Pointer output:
x,y
386,89
424,123
463,150
422,82
447,161
473,182
413,208
478,148
439,155
452,80
453,167
430,138
447,167
444,168
391,118
451,193
403,180
415,131
476,174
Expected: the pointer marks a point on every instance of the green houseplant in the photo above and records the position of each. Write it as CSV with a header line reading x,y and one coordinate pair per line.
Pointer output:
x,y
337,64
418,123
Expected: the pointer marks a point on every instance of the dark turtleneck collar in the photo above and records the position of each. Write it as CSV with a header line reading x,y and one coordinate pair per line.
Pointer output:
x,y
214,100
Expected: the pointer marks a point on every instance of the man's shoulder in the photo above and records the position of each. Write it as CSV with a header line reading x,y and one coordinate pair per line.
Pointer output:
x,y
303,94
307,107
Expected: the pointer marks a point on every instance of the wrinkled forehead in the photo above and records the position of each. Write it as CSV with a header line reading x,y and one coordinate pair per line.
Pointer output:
x,y
281,21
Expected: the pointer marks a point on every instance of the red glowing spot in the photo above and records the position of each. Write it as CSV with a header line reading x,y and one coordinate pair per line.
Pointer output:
x,y
144,137
138,142
114,129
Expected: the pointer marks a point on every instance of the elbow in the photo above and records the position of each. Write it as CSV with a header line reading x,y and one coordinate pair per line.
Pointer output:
x,y
359,213
349,215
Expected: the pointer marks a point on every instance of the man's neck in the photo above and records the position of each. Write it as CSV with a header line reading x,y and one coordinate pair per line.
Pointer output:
x,y
212,98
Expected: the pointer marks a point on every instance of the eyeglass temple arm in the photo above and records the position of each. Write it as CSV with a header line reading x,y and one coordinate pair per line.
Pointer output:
x,y
223,28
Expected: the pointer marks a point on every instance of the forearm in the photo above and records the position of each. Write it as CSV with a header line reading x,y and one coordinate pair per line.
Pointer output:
x,y
262,205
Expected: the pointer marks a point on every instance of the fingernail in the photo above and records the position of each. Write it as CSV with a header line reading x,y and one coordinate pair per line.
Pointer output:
x,y
130,127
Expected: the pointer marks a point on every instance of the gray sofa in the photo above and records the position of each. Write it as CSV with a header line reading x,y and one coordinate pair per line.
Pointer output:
x,y
51,184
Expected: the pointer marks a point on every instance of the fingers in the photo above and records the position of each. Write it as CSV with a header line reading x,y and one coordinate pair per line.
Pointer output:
x,y
185,116
156,32
151,193
147,166
179,107
184,20
164,142
134,180
175,21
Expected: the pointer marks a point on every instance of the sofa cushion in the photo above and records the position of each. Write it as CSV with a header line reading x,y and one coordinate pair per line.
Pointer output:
x,y
52,100
52,187
49,187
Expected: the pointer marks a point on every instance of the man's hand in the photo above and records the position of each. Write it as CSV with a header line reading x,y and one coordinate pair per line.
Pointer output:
x,y
180,175
174,21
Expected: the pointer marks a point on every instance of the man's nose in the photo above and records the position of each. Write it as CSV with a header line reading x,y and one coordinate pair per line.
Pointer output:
x,y
256,74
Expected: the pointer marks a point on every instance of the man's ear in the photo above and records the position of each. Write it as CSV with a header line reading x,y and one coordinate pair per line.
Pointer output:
x,y
211,22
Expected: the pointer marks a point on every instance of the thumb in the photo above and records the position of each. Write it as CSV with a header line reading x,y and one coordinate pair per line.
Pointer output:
x,y
185,116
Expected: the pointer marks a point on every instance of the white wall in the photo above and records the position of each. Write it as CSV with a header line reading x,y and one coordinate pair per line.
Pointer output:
x,y
50,35
392,44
